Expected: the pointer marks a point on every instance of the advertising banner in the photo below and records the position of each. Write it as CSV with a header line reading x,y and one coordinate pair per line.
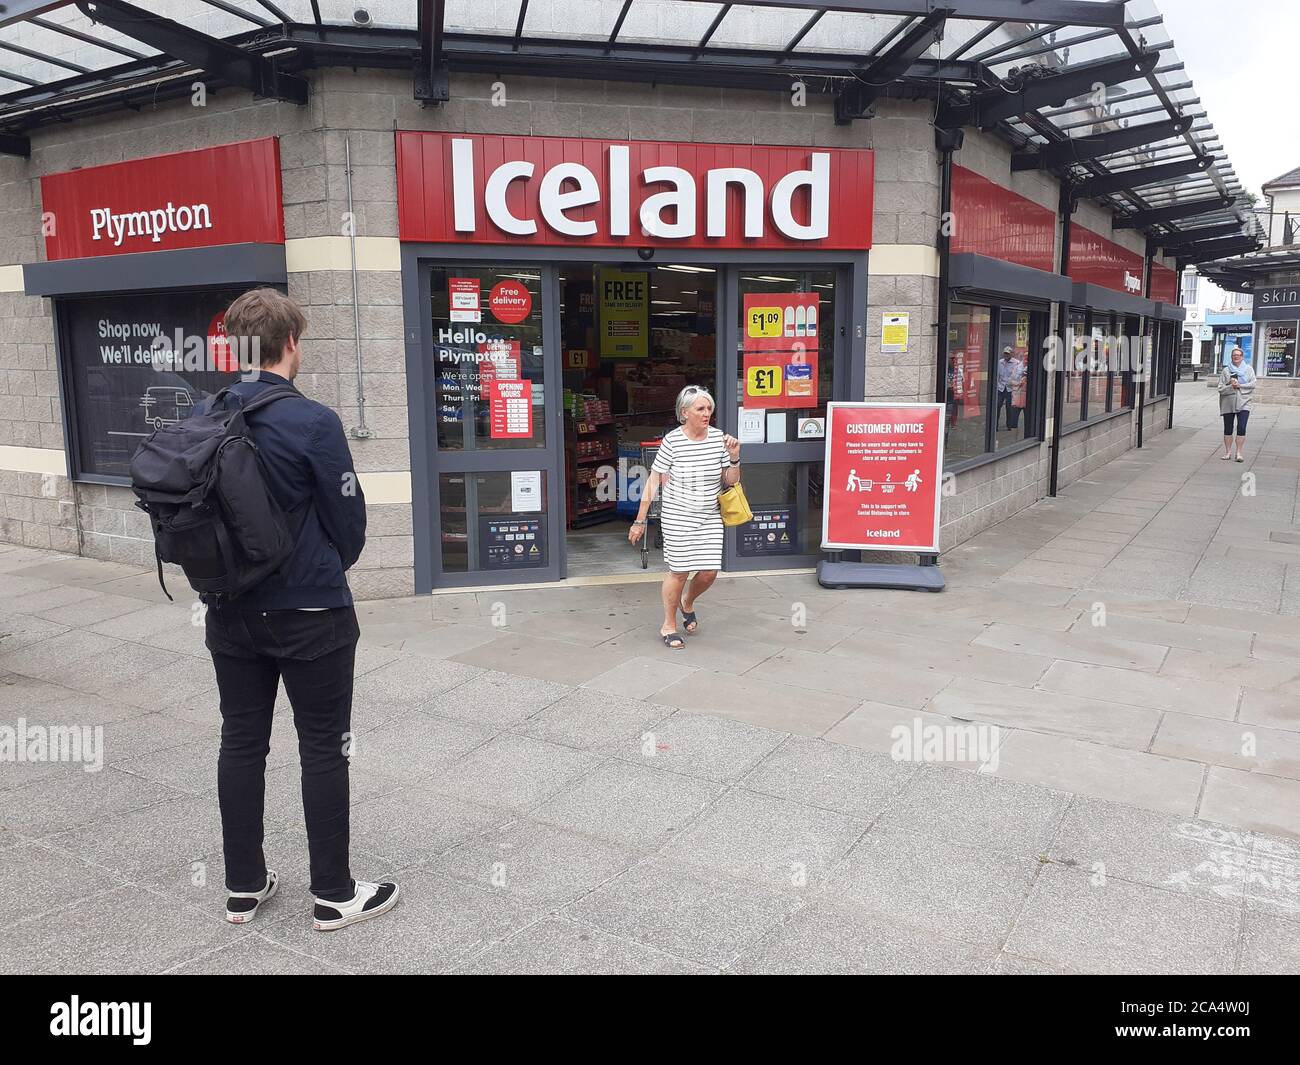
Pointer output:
x,y
780,345
884,471
137,362
624,314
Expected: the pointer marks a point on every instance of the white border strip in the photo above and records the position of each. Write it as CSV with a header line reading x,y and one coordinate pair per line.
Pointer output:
x,y
11,279
905,260
33,460
302,254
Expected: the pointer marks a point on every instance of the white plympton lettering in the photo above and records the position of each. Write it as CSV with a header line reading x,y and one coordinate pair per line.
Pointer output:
x,y
555,202
752,194
494,197
620,193
98,220
681,197
818,181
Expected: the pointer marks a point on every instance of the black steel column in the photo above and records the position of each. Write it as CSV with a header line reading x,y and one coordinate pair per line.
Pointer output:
x,y
1065,208
947,141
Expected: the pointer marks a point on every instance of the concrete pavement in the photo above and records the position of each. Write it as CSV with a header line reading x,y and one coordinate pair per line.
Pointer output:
x,y
1084,756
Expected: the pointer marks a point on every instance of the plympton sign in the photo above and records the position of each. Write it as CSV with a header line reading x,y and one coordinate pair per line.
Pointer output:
x,y
229,194
496,189
884,470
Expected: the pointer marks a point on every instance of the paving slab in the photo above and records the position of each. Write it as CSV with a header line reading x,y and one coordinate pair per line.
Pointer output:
x,y
1132,687
1123,927
557,945
763,703
1252,800
831,776
698,745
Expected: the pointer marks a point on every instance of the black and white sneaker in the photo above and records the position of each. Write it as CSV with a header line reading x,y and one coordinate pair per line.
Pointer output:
x,y
241,906
369,901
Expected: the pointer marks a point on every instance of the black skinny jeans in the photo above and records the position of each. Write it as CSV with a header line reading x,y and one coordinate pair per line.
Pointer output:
x,y
314,651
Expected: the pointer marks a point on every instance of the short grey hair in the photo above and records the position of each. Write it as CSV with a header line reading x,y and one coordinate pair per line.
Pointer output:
x,y
689,395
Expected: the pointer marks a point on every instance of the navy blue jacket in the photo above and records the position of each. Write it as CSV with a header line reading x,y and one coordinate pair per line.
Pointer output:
x,y
308,467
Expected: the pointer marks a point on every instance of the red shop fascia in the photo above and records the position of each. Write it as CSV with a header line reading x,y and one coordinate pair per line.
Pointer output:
x,y
145,249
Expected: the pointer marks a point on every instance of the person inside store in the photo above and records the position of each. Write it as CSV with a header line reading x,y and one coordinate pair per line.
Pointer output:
x,y
1011,373
693,463
1236,390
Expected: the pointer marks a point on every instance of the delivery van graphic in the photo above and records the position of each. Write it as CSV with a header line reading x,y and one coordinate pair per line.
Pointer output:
x,y
166,405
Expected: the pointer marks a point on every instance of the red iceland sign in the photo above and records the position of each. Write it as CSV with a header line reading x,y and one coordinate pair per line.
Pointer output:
x,y
490,189
230,194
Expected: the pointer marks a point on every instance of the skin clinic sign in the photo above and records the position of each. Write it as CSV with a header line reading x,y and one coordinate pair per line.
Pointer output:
x,y
884,471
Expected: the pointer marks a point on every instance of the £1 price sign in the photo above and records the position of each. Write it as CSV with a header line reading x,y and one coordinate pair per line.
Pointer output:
x,y
780,349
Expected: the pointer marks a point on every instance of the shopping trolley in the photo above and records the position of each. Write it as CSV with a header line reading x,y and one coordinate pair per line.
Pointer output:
x,y
649,449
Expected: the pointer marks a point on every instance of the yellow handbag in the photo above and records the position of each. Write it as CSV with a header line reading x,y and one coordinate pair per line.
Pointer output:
x,y
734,506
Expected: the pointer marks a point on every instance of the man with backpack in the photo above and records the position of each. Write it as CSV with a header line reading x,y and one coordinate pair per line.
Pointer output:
x,y
256,498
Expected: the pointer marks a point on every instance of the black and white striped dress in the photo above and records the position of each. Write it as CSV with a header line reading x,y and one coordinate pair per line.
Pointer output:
x,y
688,507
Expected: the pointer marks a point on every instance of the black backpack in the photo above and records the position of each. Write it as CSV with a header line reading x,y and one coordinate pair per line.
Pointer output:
x,y
203,485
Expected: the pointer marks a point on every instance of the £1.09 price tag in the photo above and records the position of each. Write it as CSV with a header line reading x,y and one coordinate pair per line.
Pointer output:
x,y
764,321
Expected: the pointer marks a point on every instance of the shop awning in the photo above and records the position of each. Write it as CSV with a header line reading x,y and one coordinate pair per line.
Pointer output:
x,y
143,271
1107,299
1091,90
1169,312
980,273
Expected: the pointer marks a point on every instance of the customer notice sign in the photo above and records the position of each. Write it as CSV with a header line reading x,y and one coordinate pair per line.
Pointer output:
x,y
884,469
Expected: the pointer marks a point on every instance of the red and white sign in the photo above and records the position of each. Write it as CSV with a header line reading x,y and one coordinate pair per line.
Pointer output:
x,y
501,364
994,221
222,356
780,344
510,410
466,304
884,471
1164,284
510,302
497,189
225,195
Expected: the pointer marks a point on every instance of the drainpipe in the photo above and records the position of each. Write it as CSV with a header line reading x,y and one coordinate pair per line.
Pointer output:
x,y
1065,208
1179,267
360,431
946,141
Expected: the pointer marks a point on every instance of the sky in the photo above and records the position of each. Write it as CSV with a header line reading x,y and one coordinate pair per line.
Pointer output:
x,y
1243,56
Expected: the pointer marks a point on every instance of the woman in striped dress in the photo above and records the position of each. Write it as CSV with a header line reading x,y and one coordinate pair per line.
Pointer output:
x,y
693,463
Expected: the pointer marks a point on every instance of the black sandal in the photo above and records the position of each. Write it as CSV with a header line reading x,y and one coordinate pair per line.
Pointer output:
x,y
689,623
673,640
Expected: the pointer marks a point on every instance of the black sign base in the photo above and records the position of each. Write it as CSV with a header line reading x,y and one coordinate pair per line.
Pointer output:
x,y
879,575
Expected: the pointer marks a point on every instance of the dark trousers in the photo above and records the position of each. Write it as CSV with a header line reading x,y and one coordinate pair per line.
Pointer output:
x,y
314,651
1013,412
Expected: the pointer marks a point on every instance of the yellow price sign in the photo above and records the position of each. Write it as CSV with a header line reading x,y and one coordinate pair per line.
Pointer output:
x,y
765,322
577,358
764,381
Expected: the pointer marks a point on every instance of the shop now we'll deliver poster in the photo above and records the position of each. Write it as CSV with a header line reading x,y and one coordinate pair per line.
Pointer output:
x,y
884,471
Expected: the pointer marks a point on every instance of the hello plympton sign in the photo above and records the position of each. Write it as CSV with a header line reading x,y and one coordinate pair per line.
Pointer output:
x,y
229,194
492,189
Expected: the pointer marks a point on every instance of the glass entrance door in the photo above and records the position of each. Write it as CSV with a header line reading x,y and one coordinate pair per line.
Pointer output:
x,y
785,358
491,387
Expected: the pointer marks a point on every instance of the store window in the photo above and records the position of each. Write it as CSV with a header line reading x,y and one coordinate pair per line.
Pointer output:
x,y
1076,369
966,424
1279,342
1014,376
493,521
1098,373
787,353
136,362
487,351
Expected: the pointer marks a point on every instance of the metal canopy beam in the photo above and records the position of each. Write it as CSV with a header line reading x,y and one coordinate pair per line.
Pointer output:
x,y
20,10
431,81
857,97
216,57
1143,175
1179,241
1217,249
1078,149
1055,12
1142,219
86,38
991,106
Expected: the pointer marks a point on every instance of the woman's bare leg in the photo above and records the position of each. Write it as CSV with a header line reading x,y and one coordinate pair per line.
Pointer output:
x,y
672,595
700,583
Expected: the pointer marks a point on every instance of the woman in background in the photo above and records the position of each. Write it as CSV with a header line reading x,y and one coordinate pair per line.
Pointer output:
x,y
1236,390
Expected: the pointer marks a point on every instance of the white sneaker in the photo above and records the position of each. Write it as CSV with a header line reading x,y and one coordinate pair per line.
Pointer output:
x,y
242,906
370,900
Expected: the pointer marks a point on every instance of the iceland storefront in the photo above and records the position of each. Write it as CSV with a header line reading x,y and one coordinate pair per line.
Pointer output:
x,y
508,278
